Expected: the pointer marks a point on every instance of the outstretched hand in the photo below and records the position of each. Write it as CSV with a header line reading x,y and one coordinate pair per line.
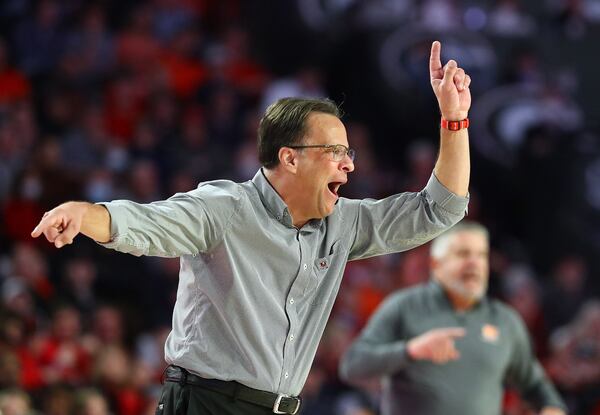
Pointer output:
x,y
61,224
436,345
450,85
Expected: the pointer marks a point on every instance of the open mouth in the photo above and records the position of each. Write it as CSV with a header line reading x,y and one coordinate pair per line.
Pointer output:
x,y
471,278
334,188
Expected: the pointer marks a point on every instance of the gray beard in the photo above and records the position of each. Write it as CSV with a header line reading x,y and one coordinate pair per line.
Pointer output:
x,y
460,290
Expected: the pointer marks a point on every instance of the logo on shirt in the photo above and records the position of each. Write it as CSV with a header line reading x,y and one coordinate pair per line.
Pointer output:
x,y
323,264
490,333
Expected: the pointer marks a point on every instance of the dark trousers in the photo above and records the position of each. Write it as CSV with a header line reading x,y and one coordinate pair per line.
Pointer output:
x,y
177,399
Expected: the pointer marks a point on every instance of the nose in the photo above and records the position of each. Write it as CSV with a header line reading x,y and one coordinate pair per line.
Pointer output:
x,y
347,165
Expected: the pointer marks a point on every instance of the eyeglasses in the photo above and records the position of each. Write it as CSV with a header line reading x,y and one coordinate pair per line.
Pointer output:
x,y
338,151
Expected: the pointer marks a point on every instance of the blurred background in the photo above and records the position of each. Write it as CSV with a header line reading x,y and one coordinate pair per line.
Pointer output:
x,y
104,100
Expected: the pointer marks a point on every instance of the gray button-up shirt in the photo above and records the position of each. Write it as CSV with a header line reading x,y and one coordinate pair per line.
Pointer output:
x,y
254,292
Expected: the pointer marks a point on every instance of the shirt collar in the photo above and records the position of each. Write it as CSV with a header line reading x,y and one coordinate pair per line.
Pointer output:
x,y
271,199
275,204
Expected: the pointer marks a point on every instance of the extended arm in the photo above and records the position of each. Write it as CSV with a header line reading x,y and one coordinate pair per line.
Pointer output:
x,y
187,223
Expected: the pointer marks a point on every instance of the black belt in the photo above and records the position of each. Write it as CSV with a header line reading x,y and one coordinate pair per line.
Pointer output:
x,y
279,404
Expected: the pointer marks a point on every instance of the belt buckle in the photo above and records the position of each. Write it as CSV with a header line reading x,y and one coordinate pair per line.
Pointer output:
x,y
278,402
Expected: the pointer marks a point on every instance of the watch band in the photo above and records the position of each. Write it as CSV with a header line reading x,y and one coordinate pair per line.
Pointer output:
x,y
454,125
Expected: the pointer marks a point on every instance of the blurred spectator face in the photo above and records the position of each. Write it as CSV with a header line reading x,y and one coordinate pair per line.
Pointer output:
x,y
12,330
96,405
59,401
16,297
145,136
91,402
28,263
94,21
31,187
141,375
141,20
14,402
50,155
570,274
187,43
181,182
359,135
10,368
236,42
59,108
422,159
194,130
66,324
144,181
81,273
523,296
589,319
464,268
414,267
164,110
223,102
93,124
113,366
24,121
108,325
8,143
100,186
48,13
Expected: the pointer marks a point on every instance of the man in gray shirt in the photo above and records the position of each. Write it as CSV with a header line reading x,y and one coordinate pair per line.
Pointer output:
x,y
262,261
443,348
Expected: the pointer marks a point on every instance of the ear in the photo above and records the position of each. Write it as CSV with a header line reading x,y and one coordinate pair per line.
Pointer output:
x,y
288,159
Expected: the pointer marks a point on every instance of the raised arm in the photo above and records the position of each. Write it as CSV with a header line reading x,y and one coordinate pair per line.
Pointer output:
x,y
63,223
451,87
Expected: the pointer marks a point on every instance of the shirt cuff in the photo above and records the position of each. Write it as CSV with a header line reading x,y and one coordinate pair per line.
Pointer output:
x,y
451,202
118,225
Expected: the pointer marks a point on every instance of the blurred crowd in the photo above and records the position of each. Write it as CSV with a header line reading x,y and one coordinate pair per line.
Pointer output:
x,y
103,100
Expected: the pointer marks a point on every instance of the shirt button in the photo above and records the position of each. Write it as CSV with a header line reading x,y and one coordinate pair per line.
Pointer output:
x,y
286,375
291,301
305,266
291,337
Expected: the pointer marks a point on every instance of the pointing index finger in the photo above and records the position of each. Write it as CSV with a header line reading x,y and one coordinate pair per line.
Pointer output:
x,y
45,223
435,61
455,332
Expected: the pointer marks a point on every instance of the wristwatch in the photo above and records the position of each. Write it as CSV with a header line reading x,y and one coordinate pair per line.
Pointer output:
x,y
454,125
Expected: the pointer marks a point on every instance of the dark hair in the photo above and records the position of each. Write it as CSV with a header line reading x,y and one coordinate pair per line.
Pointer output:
x,y
284,124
